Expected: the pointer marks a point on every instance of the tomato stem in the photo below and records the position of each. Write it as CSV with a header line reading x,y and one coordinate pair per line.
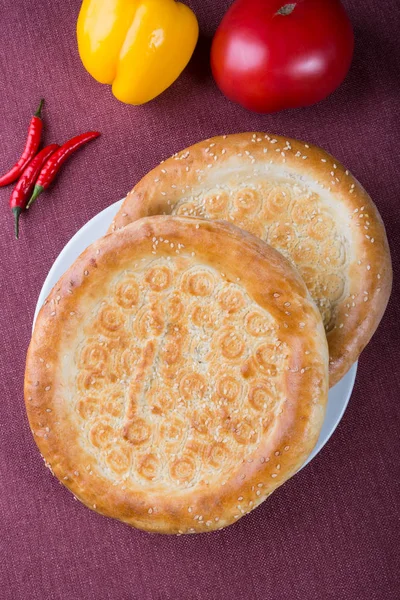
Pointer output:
x,y
286,9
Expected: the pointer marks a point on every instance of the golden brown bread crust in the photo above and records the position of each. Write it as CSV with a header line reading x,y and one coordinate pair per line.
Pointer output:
x,y
301,201
177,375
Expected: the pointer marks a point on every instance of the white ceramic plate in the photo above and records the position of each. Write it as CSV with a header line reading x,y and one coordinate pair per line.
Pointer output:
x,y
338,396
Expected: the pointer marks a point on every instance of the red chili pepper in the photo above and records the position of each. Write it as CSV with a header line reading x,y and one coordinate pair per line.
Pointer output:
x,y
55,162
22,191
31,146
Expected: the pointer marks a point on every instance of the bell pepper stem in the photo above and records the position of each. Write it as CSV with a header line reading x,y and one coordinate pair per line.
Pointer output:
x,y
17,211
37,190
38,113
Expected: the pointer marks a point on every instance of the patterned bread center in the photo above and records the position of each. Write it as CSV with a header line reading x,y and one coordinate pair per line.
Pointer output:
x,y
160,390
291,218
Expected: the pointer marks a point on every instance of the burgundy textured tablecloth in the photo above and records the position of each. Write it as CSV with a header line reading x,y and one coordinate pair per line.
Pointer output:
x,y
330,532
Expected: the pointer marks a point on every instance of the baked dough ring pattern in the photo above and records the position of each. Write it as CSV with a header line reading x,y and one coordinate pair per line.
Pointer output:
x,y
177,375
301,201
198,413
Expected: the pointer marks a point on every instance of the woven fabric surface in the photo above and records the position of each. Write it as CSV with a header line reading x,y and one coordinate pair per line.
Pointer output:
x,y
330,532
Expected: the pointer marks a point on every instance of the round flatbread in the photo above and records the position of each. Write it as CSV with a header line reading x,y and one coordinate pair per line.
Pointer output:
x,y
301,201
177,375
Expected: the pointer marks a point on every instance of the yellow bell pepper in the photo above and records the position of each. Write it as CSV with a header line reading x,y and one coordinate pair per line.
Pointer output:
x,y
138,46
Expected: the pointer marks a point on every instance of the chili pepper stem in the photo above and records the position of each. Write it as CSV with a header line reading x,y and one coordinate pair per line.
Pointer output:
x,y
17,211
37,190
38,113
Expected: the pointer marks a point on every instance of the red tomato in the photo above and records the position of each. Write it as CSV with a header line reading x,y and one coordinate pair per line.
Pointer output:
x,y
268,55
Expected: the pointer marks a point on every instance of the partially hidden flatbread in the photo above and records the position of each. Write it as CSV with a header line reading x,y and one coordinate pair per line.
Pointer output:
x,y
300,200
177,375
